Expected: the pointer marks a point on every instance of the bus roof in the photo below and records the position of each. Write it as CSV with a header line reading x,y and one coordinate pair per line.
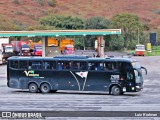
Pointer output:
x,y
72,57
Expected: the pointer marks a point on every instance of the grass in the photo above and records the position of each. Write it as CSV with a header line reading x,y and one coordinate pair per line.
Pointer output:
x,y
155,51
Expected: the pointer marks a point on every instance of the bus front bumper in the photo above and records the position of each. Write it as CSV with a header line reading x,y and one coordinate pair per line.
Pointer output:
x,y
134,89
139,88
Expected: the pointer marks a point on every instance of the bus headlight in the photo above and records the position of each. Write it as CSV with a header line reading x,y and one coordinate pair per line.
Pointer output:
x,y
124,89
137,87
132,88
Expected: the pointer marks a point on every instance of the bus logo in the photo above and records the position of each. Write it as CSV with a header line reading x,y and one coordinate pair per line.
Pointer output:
x,y
82,74
31,73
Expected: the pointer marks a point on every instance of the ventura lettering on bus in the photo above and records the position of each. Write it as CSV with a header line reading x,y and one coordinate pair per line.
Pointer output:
x,y
31,73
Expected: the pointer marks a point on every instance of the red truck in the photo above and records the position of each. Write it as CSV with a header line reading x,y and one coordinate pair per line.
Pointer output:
x,y
21,48
68,49
37,50
6,50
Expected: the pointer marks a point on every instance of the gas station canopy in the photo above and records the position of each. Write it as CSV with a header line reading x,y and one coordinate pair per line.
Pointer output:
x,y
60,32
45,33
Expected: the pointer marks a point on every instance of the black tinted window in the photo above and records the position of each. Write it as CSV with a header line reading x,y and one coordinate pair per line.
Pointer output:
x,y
35,65
64,65
110,66
23,65
49,64
95,66
77,65
14,64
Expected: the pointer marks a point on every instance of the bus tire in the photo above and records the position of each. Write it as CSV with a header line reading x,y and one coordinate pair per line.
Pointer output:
x,y
45,88
116,90
33,88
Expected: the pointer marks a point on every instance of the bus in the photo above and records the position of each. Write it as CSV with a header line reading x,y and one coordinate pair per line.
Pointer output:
x,y
72,72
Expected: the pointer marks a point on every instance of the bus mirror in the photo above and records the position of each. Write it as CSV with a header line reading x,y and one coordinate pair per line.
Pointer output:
x,y
144,69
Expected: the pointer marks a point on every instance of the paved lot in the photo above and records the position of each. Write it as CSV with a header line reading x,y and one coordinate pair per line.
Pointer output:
x,y
147,100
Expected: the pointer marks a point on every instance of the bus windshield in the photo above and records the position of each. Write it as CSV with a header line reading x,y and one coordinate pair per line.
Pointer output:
x,y
137,72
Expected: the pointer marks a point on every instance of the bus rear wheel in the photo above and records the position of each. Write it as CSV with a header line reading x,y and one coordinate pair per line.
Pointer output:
x,y
33,88
45,88
116,90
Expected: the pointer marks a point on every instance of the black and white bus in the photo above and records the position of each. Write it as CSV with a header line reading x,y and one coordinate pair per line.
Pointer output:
x,y
79,73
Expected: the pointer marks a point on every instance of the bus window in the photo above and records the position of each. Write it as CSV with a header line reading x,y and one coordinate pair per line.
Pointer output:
x,y
79,65
126,71
64,65
23,64
95,66
91,66
110,66
53,65
14,64
49,65
34,65
46,65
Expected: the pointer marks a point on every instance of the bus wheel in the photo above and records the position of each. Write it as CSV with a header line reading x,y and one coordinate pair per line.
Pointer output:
x,y
33,88
116,90
45,88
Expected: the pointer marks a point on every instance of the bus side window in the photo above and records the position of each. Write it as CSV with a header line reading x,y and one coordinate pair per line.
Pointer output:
x,y
46,65
79,65
101,66
64,65
59,66
35,65
29,65
83,66
106,66
113,66
14,64
67,65
92,66
76,65
53,65
110,66
98,66
49,65
23,65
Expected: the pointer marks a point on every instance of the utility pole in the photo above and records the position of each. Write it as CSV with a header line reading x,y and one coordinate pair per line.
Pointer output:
x,y
84,38
138,36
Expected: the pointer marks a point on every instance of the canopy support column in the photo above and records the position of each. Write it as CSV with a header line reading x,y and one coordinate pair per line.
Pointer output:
x,y
44,44
101,46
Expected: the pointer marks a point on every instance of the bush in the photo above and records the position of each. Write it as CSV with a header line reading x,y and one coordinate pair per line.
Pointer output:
x,y
16,1
52,3
41,2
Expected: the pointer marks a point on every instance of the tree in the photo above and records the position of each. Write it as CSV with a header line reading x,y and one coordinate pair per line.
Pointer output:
x,y
115,42
130,26
96,22
62,22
